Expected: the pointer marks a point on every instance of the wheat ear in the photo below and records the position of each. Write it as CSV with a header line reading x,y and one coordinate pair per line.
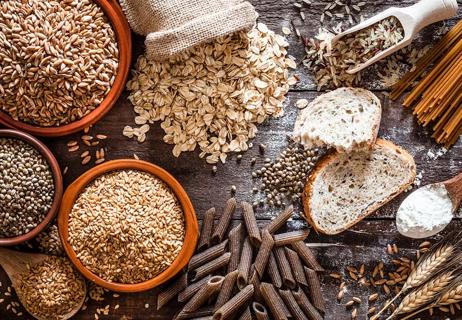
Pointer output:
x,y
424,295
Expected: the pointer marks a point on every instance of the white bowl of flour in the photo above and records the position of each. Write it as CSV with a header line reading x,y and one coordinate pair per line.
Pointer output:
x,y
425,212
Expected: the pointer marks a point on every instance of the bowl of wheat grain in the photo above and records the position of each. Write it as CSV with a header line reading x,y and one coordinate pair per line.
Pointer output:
x,y
64,63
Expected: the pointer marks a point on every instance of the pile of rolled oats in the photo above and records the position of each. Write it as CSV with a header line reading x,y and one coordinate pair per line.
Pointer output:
x,y
214,95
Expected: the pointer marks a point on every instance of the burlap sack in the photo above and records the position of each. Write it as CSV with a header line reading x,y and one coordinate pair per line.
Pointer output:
x,y
172,26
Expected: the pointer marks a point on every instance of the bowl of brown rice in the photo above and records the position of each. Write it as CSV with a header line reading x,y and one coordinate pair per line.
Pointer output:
x,y
65,63
127,225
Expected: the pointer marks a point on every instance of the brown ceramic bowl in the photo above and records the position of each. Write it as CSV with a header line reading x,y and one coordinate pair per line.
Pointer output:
x,y
122,30
58,180
71,194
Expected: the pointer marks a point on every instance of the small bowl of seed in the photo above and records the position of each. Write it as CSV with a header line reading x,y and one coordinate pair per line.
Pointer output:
x,y
127,225
64,64
31,187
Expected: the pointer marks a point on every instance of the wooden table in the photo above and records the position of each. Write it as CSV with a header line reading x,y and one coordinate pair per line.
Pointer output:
x,y
365,243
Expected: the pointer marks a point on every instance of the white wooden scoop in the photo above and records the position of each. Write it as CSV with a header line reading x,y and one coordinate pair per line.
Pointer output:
x,y
15,263
413,19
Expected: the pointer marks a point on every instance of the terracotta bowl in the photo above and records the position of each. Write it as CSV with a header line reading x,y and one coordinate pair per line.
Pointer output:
x,y
58,180
73,191
122,30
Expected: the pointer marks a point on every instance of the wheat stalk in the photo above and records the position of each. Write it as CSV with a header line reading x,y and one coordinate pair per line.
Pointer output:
x,y
425,294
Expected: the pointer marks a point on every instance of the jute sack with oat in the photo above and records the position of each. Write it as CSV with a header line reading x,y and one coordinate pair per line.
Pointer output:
x,y
172,26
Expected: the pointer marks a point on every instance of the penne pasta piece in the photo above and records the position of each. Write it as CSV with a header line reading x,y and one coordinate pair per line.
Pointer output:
x,y
236,238
315,290
200,298
280,220
296,266
290,237
284,267
307,256
274,302
306,305
223,223
273,271
172,291
291,303
255,281
251,224
226,289
264,251
191,290
205,256
260,311
244,264
210,267
206,231
246,315
239,300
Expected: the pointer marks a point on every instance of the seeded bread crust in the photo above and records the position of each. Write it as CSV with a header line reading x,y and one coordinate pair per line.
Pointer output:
x,y
328,159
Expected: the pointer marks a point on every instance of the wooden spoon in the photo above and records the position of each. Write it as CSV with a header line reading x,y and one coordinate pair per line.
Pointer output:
x,y
454,188
15,263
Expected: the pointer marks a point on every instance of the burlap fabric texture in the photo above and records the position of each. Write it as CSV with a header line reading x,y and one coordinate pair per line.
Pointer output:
x,y
172,26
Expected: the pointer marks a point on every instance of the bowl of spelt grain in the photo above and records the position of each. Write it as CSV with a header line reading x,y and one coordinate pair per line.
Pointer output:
x,y
65,64
32,204
127,225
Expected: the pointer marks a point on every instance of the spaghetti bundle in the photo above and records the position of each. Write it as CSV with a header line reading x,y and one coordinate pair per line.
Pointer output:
x,y
437,98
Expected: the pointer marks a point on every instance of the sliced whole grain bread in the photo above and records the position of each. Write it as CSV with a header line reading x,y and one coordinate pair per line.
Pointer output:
x,y
345,188
346,119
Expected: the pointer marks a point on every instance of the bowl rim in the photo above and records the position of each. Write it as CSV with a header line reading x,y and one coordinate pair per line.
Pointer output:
x,y
119,23
57,179
191,224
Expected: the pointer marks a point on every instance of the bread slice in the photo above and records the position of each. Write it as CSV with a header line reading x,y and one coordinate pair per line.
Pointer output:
x,y
346,119
345,188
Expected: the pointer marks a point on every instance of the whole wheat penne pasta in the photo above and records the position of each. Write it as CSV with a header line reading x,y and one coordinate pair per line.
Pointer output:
x,y
307,256
251,223
274,302
260,311
224,221
280,220
315,290
191,290
226,289
291,303
244,264
264,251
236,238
200,298
285,238
172,291
296,266
255,281
284,267
273,271
306,305
203,313
206,231
236,302
211,253
210,267
246,315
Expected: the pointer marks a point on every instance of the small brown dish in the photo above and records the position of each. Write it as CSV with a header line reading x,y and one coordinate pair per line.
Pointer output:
x,y
192,229
58,181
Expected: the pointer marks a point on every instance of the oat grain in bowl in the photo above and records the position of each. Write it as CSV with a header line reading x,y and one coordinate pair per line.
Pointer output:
x,y
52,288
127,226
26,187
58,59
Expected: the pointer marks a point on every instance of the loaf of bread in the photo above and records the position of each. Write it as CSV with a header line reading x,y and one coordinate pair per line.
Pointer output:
x,y
346,119
345,188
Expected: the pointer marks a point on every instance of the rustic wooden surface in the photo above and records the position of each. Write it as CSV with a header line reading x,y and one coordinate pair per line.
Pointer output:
x,y
365,243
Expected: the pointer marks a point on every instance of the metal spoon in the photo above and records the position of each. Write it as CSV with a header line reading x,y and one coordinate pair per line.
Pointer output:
x,y
15,263
413,19
453,193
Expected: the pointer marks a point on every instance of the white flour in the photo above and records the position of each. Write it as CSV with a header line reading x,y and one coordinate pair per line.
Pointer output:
x,y
424,212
